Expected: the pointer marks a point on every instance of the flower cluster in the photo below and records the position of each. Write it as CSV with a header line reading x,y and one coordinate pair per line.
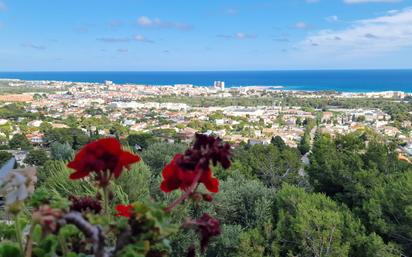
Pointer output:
x,y
147,226
194,165
48,218
207,226
105,158
124,210
186,171
85,204
175,176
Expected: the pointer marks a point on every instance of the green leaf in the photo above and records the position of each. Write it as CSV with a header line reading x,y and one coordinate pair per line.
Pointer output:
x,y
9,249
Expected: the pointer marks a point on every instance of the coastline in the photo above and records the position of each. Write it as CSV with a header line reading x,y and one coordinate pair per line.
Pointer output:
x,y
277,88
340,81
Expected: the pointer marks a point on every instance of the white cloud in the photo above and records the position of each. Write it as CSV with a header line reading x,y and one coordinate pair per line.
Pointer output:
x,y
370,1
241,35
238,35
375,36
392,12
138,38
145,21
114,39
332,18
143,39
301,25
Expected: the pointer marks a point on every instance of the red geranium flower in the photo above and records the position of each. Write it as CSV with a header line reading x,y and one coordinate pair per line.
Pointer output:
x,y
124,210
207,226
175,177
182,171
100,156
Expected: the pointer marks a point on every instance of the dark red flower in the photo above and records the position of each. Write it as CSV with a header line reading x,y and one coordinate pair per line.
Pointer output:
x,y
100,156
206,149
191,251
175,177
207,226
124,210
182,171
207,197
85,204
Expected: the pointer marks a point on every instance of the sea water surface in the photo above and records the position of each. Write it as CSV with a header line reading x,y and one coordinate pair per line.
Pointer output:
x,y
336,80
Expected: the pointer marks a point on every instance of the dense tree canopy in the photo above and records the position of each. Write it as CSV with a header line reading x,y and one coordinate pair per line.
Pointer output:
x,y
304,144
4,157
36,157
157,155
61,151
364,174
315,225
142,140
278,142
14,111
74,137
270,164
19,141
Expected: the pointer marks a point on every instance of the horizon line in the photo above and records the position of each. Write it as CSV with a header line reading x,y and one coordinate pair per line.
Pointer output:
x,y
240,70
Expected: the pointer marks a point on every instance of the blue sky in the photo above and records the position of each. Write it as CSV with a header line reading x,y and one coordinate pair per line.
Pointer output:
x,y
134,35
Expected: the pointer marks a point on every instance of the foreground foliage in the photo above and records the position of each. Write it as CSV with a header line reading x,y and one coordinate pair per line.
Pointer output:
x,y
65,224
353,199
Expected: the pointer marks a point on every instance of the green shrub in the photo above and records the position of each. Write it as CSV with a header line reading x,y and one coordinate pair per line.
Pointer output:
x,y
157,155
243,202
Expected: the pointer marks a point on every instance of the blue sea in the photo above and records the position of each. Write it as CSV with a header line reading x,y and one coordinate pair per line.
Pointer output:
x,y
337,80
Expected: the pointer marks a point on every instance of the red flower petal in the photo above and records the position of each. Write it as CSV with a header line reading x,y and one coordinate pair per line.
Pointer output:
x,y
187,177
124,210
175,177
126,159
211,183
171,178
182,171
102,155
109,145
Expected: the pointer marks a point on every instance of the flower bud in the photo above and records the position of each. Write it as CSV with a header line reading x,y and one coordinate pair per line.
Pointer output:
x,y
15,207
196,196
207,197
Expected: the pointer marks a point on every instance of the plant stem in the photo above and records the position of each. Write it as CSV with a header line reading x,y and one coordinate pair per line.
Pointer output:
x,y
63,244
188,192
18,233
29,242
92,232
106,202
